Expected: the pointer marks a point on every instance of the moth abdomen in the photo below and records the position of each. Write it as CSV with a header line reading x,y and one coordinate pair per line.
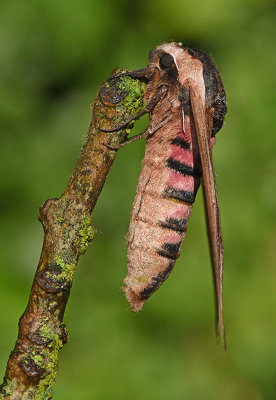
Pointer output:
x,y
162,206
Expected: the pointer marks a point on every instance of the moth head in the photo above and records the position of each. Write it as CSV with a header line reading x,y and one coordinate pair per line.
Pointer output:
x,y
163,59
187,67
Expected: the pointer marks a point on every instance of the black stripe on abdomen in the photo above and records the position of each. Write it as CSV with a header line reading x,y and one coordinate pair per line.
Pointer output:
x,y
182,168
170,250
178,141
184,196
156,282
175,224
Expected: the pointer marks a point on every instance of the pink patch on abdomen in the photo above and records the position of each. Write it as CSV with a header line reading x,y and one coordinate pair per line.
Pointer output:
x,y
171,237
179,181
180,211
181,155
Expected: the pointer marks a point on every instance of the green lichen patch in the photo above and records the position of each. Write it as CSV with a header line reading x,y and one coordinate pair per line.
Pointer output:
x,y
60,217
135,99
8,387
47,331
47,358
85,234
45,386
68,270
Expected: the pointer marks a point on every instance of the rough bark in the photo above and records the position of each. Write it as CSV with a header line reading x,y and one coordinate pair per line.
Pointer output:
x,y
33,364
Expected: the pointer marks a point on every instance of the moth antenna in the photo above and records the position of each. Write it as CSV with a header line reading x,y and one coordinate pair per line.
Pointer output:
x,y
183,119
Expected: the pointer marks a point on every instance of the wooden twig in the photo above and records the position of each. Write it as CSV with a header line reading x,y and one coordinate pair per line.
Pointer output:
x,y
33,364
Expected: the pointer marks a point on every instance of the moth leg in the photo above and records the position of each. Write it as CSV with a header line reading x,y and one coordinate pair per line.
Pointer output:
x,y
126,123
160,95
132,139
143,73
142,135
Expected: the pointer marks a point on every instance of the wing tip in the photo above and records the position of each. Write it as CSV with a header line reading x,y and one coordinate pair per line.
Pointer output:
x,y
220,329
222,336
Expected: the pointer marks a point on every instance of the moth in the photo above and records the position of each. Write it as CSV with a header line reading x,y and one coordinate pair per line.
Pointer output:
x,y
186,101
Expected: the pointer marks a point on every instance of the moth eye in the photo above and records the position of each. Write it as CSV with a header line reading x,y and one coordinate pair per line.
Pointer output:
x,y
166,61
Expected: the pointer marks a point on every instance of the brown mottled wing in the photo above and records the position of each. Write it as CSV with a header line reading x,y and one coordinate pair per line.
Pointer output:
x,y
211,205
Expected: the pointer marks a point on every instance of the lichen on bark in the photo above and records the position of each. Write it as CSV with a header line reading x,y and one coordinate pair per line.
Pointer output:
x,y
67,224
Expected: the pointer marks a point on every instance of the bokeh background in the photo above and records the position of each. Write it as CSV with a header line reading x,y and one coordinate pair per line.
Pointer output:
x,y
54,55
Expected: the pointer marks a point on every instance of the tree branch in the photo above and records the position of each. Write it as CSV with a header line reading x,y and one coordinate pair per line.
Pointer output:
x,y
33,364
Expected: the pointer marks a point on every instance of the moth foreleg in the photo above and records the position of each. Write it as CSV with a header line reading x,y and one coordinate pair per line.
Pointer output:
x,y
126,123
130,140
143,73
145,134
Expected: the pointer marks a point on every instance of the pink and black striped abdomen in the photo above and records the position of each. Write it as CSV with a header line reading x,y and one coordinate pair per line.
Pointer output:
x,y
166,190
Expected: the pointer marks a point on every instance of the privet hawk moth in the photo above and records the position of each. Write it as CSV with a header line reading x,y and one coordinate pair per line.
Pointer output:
x,y
186,102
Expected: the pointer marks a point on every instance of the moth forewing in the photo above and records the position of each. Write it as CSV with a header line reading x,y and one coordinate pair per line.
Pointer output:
x,y
211,202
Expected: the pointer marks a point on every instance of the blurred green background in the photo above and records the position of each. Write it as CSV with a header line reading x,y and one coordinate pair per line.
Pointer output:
x,y
54,55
